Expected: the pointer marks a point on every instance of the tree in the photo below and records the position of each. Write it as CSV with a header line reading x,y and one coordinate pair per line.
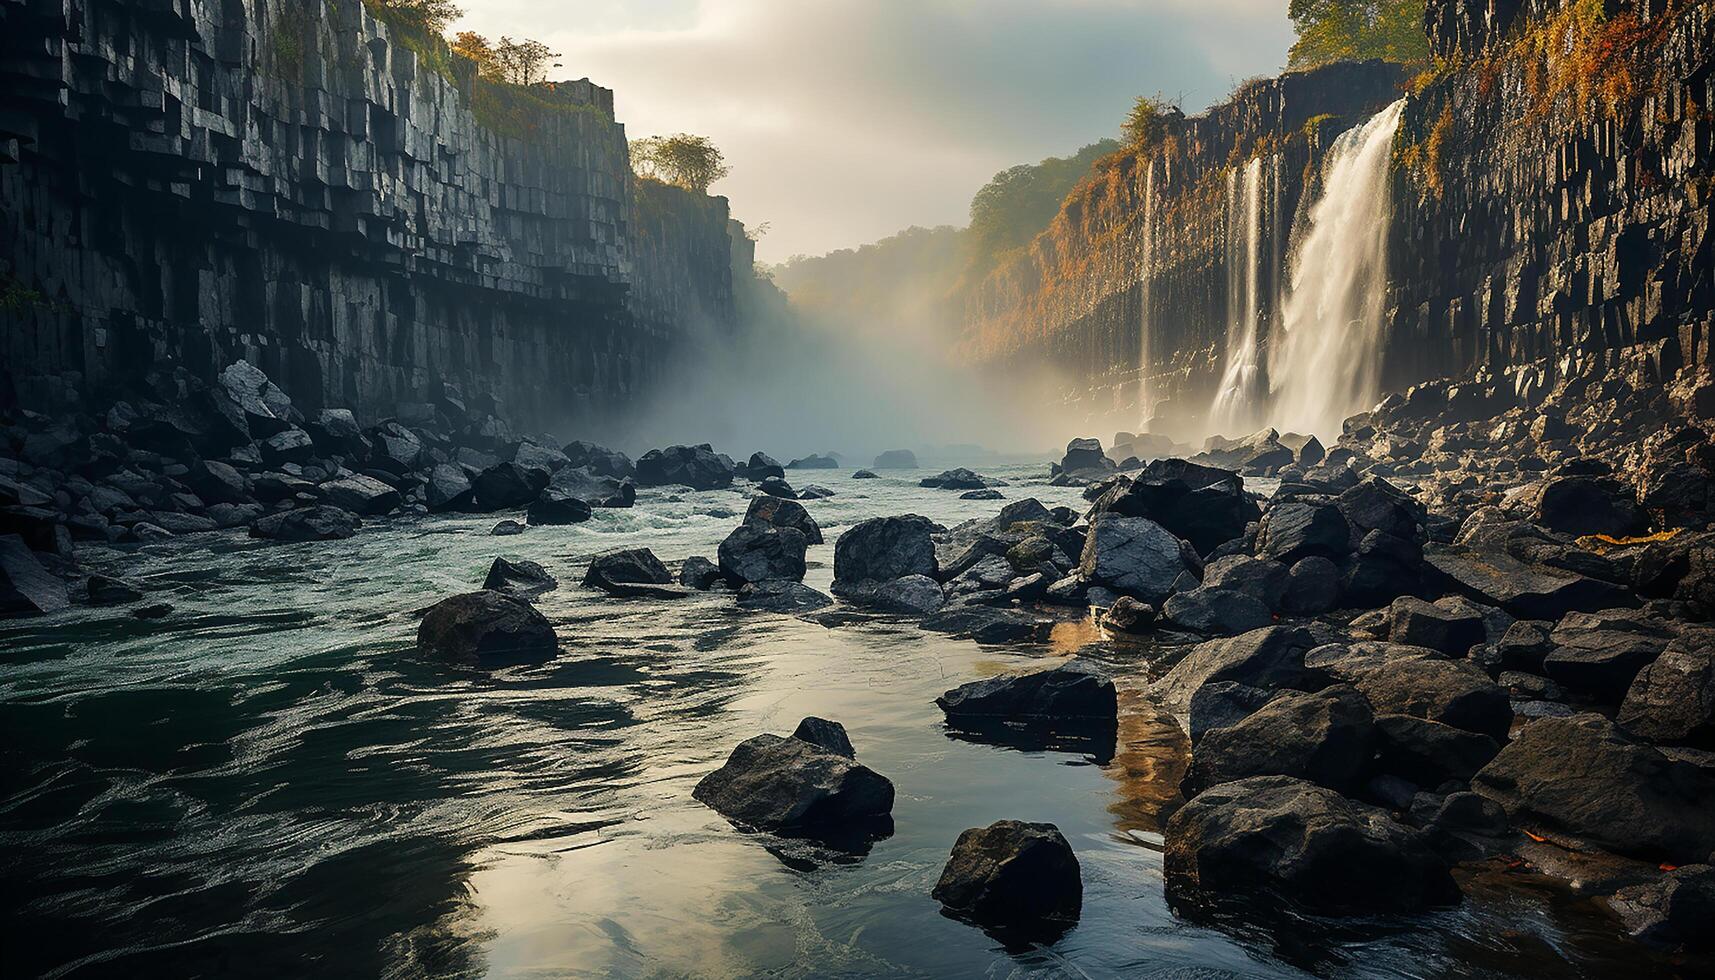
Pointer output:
x,y
470,44
691,162
524,62
421,16
1009,210
1342,30
1145,122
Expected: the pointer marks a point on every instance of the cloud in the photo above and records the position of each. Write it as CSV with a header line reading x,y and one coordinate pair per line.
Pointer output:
x,y
846,120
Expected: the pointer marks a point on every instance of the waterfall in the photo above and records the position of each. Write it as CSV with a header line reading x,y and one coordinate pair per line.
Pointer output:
x,y
1324,360
1145,405
1234,410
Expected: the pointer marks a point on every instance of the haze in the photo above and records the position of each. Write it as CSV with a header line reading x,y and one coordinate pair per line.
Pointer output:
x,y
847,120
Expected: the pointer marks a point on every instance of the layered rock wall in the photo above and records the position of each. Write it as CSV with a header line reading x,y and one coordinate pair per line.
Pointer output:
x,y
188,182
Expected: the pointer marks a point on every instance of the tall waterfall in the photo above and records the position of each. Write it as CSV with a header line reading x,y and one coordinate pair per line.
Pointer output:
x,y
1324,361
1235,406
1146,256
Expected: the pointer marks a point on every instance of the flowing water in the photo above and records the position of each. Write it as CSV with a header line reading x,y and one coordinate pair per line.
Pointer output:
x,y
1324,362
1235,408
271,782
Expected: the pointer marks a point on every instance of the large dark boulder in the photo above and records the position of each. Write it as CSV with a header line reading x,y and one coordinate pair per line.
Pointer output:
x,y
1599,654
1265,658
795,786
697,467
1085,456
1673,699
1312,587
613,571
1417,681
216,482
1429,753
1202,504
1012,875
322,523
1326,737
1285,838
814,461
1295,528
762,466
1377,505
781,595
448,488
26,588
885,548
265,408
1068,694
1584,776
592,488
760,552
830,735
292,445
1215,612
955,479
519,578
1527,590
362,495
1441,626
395,448
505,486
1674,911
486,627
986,624
1265,581
697,572
553,506
1137,557
599,460
779,512
336,433
1579,505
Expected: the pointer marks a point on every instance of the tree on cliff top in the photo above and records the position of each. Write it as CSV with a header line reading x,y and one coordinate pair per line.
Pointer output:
x,y
691,162
429,17
523,62
1348,30
1017,203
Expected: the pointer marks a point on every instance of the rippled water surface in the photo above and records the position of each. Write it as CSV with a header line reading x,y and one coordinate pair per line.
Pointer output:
x,y
270,781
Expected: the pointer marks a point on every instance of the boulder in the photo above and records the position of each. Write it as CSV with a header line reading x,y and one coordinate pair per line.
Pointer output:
x,y
616,571
1137,557
697,572
216,482
1215,612
1382,568
896,459
1673,911
1326,738
26,588
885,548
539,460
759,552
1312,587
394,448
265,407
599,460
553,506
1290,839
697,467
1584,776
1265,581
762,466
292,445
1440,626
779,512
1128,615
1599,654
781,596
1377,505
336,433
518,578
985,624
105,591
1085,455
814,461
1202,504
362,495
791,785
1223,704
1296,529
1673,698
1579,505
486,627
506,528
1264,658
909,595
955,479
322,523
1420,682
865,475
813,491
448,488
505,486
830,735
1526,590
593,488
775,486
1429,753
1070,694
1012,875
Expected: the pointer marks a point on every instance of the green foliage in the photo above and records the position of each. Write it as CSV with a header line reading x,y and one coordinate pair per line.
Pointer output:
x,y
1145,123
1020,201
17,298
1342,30
421,17
684,160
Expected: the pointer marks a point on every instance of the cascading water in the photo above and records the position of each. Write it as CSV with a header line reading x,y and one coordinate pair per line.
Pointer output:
x,y
1235,406
1324,361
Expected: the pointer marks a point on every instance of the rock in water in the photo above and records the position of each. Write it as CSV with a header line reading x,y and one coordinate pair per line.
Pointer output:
x,y
520,578
830,735
864,475
448,488
1069,694
781,596
484,627
1326,738
557,507
306,524
761,552
1013,875
780,512
885,548
1584,776
507,485
1085,455
1287,838
26,588
795,786
1136,557
362,495
105,591
506,528
1674,912
615,571
697,572
896,459
814,461
697,467
956,479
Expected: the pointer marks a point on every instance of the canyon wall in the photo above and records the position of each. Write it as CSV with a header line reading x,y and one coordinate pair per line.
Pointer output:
x,y
188,182
1547,210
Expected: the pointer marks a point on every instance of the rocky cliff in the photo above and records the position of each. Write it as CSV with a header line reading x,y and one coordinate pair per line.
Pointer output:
x,y
186,182
1549,212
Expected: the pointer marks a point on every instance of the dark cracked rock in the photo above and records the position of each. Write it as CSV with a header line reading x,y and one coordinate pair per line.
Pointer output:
x,y
758,552
791,785
1216,612
1399,679
1137,557
322,523
986,624
698,467
780,512
1326,738
1069,694
782,596
629,572
1673,699
1012,875
885,548
519,578
484,627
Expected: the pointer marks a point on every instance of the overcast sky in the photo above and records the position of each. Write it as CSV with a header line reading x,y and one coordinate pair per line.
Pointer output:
x,y
847,120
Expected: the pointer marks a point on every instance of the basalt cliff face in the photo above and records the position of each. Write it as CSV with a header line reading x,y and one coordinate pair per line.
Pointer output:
x,y
186,182
1547,216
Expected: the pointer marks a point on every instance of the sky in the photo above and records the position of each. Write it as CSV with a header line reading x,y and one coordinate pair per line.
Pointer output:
x,y
845,121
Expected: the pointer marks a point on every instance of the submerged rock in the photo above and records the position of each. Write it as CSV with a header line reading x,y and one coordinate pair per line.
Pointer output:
x,y
306,524
1012,875
782,596
795,786
697,572
519,578
486,626
1070,693
1288,838
986,624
